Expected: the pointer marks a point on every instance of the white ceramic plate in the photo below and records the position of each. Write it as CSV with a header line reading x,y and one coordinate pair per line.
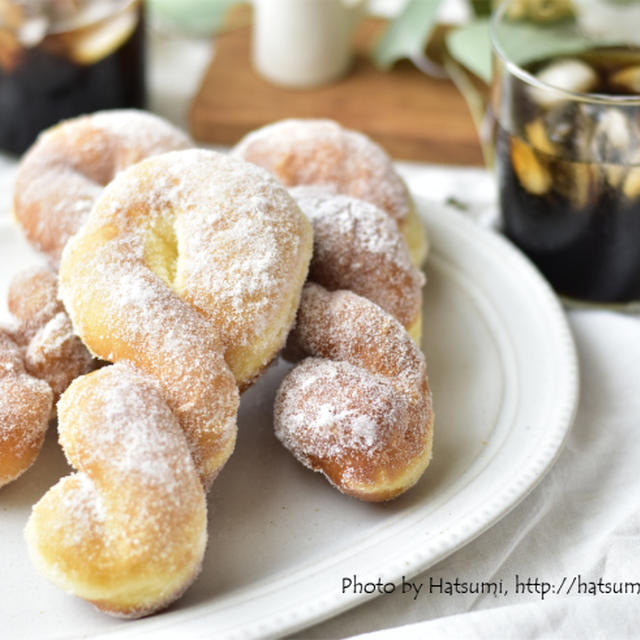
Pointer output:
x,y
503,371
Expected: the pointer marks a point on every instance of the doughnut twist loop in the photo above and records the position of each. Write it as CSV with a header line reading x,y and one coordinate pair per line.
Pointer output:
x,y
128,532
52,351
188,272
39,358
25,407
65,170
359,410
57,182
356,246
323,153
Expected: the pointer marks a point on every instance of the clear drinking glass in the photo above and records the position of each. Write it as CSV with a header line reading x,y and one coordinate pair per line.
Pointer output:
x,y
566,106
61,58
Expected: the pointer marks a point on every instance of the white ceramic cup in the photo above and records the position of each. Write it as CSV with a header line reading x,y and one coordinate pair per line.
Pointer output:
x,y
304,43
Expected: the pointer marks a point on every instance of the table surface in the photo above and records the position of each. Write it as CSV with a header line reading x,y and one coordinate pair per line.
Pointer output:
x,y
413,115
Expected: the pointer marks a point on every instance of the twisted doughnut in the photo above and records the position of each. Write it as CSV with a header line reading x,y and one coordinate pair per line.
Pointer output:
x,y
25,407
188,272
359,410
38,360
128,532
356,246
52,351
323,153
65,170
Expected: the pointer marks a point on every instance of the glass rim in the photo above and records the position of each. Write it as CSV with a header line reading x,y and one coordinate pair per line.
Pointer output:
x,y
530,79
64,27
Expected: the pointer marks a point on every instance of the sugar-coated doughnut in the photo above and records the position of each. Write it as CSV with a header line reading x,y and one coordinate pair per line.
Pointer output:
x,y
33,300
187,274
190,261
356,246
127,531
39,357
52,351
359,410
67,167
25,407
323,153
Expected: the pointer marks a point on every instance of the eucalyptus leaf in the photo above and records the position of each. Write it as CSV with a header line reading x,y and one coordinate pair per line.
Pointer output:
x,y
526,42
521,42
408,33
470,45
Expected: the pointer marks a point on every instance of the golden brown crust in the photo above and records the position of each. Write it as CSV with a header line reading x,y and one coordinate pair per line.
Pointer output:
x,y
33,299
360,409
25,406
39,358
322,153
65,170
52,351
129,530
356,246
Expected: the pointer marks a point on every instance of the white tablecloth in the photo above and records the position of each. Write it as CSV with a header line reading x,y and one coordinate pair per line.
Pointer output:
x,y
581,525
578,532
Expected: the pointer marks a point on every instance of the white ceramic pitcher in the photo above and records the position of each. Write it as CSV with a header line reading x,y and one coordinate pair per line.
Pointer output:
x,y
304,43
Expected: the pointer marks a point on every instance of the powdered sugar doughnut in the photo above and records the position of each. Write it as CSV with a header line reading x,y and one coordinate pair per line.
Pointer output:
x,y
65,170
25,407
189,262
33,300
52,351
359,410
323,153
187,274
356,246
129,530
39,357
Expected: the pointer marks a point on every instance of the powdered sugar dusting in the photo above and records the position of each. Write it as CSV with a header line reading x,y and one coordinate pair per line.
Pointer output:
x,y
127,531
238,239
359,409
25,405
139,317
186,256
358,247
55,354
138,435
321,152
83,506
331,409
64,172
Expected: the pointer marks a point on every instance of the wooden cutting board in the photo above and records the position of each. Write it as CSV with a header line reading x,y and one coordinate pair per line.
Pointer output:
x,y
415,117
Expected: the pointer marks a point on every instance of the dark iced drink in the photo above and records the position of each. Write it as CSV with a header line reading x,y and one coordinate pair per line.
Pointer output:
x,y
568,169
61,58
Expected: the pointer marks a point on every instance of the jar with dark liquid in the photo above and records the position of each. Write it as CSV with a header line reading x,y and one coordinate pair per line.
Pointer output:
x,y
567,138
62,58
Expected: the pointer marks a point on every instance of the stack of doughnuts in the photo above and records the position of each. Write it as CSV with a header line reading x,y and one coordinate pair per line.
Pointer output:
x,y
357,408
57,183
184,273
